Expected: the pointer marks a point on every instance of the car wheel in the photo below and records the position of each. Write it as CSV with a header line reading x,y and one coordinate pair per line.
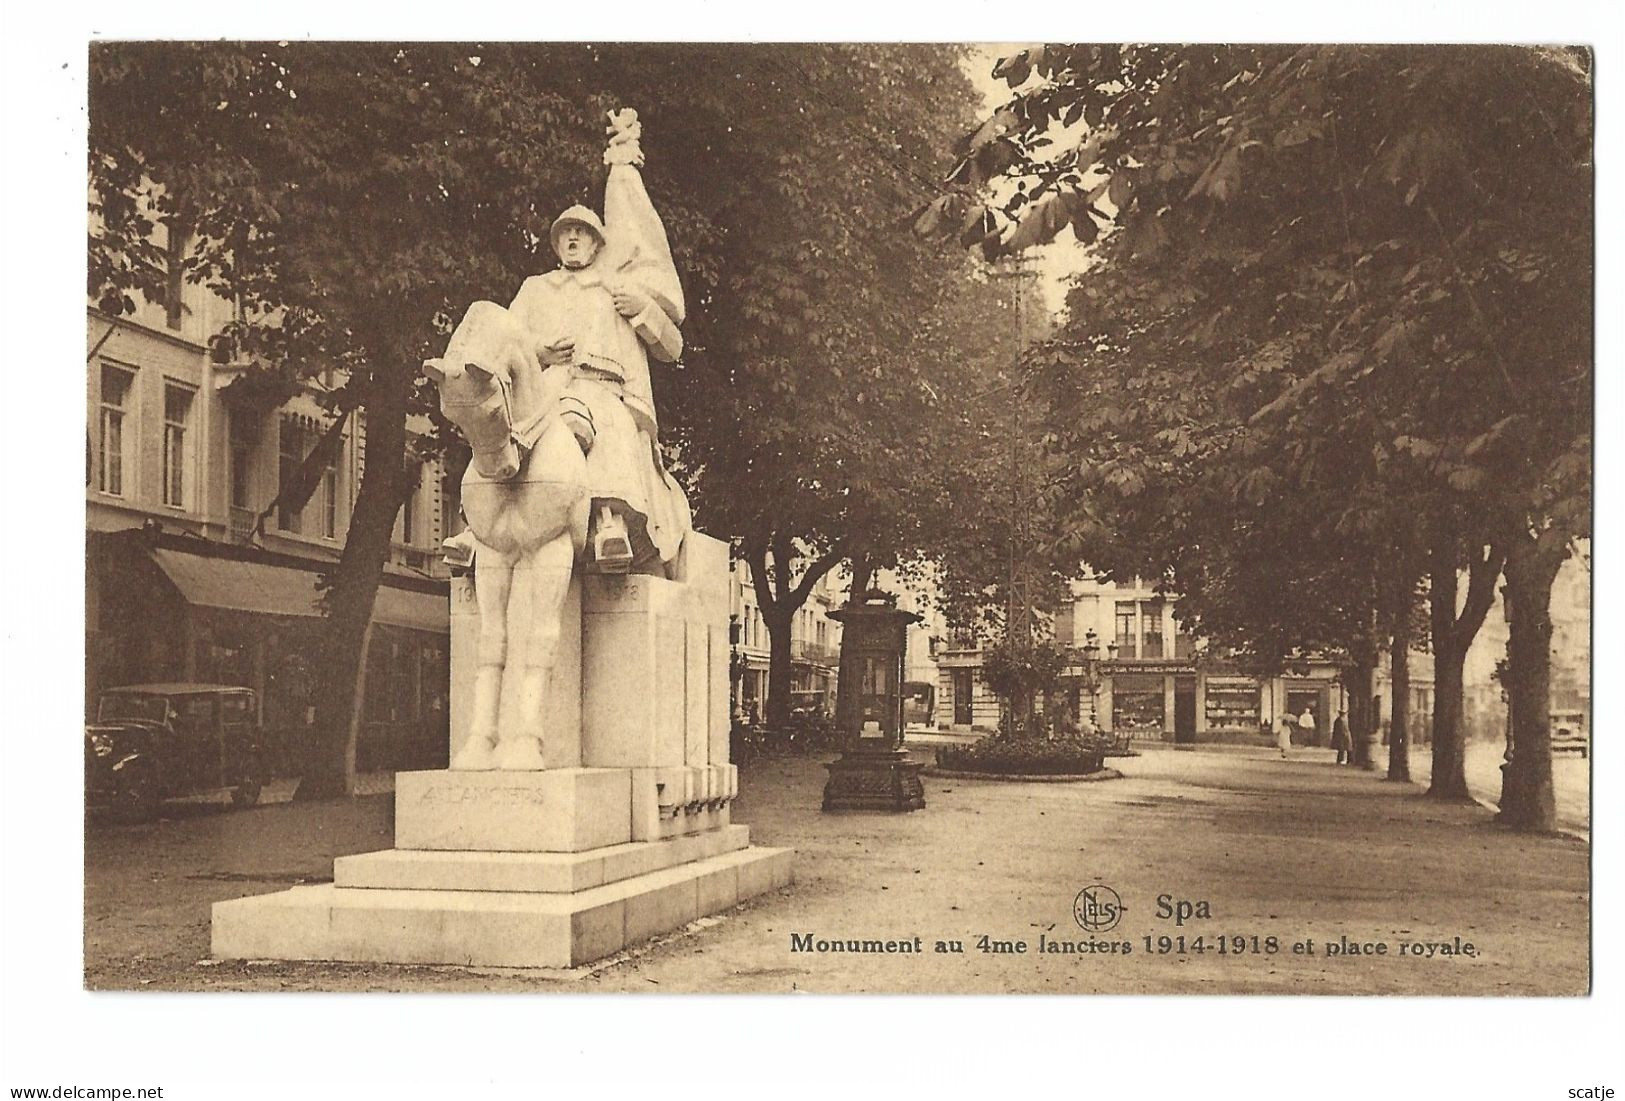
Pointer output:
x,y
247,793
139,796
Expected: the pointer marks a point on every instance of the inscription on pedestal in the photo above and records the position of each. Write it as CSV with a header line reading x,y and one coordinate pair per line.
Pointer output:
x,y
558,810
491,796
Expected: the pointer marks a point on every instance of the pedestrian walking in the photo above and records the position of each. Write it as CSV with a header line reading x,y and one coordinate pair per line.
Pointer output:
x,y
1283,735
1340,737
1306,727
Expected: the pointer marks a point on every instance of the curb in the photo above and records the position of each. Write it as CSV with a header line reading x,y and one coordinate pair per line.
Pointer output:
x,y
1024,778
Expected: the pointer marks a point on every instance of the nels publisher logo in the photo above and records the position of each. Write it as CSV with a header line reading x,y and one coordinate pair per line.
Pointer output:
x,y
1097,908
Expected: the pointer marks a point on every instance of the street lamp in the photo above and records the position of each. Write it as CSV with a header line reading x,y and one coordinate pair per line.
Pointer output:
x,y
1093,671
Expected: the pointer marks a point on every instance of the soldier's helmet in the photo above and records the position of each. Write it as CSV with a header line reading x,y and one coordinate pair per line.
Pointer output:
x,y
581,216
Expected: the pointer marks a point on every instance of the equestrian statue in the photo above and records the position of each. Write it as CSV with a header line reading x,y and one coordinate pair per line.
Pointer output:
x,y
553,396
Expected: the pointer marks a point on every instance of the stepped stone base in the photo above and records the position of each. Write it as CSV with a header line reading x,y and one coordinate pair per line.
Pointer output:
x,y
560,810
520,869
500,909
548,873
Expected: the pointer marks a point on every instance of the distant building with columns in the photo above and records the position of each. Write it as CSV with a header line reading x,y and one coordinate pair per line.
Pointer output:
x,y
1159,683
1154,680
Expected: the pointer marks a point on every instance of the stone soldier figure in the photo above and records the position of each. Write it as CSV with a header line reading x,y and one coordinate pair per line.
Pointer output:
x,y
613,303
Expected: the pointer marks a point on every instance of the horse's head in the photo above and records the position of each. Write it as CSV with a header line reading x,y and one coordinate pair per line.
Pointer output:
x,y
476,381
477,401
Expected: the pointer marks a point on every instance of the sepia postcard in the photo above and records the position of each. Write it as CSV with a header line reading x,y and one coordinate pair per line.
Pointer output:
x,y
837,518
897,518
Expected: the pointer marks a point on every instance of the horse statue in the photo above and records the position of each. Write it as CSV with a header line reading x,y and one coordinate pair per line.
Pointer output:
x,y
527,511
554,397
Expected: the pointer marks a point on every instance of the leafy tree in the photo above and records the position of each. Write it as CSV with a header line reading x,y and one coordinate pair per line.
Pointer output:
x,y
1347,286
1021,674
831,372
351,199
995,546
354,198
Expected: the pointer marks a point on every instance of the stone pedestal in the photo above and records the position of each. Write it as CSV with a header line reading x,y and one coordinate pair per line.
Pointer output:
x,y
874,779
565,810
441,900
624,836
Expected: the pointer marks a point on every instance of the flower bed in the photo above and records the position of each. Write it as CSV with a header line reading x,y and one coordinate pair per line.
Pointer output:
x,y
1025,756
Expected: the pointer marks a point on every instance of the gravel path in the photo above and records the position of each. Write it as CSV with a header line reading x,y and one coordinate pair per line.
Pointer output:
x,y
1294,850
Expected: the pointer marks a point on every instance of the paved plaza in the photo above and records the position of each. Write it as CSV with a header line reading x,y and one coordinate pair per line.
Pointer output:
x,y
1296,850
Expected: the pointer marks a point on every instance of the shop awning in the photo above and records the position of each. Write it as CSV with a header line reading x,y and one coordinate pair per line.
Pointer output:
x,y
420,611
240,586
281,590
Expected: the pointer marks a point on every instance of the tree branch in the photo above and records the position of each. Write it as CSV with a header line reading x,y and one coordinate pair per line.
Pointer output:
x,y
755,553
814,574
1482,574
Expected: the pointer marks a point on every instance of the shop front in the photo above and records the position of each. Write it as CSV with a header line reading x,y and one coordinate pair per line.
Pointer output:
x,y
1311,705
1137,705
1233,707
167,608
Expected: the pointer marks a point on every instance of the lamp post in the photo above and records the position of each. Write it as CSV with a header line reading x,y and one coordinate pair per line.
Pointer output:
x,y
1094,671
736,666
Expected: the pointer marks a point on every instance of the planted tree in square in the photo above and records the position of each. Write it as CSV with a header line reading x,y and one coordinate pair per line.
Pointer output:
x,y
353,199
1348,287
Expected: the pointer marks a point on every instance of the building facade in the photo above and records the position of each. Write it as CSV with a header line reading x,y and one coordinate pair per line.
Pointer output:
x,y
964,702
1149,678
815,648
1485,704
1155,681
180,462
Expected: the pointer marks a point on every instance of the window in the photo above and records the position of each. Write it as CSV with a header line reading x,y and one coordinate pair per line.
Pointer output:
x,y
290,457
409,510
1136,707
110,444
241,465
176,238
243,432
1232,705
330,502
177,417
297,439
237,709
1127,634
1152,615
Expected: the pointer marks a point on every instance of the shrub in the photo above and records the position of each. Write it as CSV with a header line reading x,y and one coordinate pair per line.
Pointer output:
x,y
1025,756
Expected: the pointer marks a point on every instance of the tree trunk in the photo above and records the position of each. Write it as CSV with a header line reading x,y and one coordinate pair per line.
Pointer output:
x,y
1361,681
1452,635
862,576
1018,718
779,600
1399,706
329,766
1528,801
1449,749
778,669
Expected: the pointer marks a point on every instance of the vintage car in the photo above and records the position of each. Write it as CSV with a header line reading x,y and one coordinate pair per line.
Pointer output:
x,y
151,742
1569,733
